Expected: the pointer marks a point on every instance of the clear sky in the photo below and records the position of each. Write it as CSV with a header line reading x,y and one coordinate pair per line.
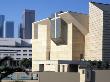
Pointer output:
x,y
13,9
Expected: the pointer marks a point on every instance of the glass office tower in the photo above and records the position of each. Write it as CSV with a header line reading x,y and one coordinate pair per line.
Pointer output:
x,y
9,29
20,31
2,18
28,18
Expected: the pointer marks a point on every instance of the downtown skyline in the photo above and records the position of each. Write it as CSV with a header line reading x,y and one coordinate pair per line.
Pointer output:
x,y
71,44
13,10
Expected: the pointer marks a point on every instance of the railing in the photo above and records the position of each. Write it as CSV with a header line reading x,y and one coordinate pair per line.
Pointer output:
x,y
22,76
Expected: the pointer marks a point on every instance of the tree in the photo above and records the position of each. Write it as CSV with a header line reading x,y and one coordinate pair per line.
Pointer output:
x,y
7,70
106,65
27,63
99,64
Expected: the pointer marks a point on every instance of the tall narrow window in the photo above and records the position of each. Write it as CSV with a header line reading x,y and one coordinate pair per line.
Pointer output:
x,y
63,68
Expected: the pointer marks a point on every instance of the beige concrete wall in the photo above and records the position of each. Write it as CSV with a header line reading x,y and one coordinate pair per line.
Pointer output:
x,y
102,76
52,77
40,45
78,44
93,40
40,42
44,47
82,75
59,77
62,52
83,19
50,67
75,46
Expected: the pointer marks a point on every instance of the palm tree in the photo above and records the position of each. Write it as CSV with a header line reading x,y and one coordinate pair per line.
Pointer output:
x,y
7,70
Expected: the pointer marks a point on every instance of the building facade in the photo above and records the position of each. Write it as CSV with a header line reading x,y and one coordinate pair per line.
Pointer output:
x,y
16,48
9,29
28,18
20,31
61,51
97,41
2,19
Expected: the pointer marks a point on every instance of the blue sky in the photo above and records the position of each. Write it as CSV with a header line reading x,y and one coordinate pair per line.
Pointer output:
x,y
13,9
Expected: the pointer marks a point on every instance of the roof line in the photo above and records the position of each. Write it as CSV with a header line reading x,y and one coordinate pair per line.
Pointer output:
x,y
100,3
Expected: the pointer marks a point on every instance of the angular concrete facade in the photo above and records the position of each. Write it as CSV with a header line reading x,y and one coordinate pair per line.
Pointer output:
x,y
57,54
93,40
97,41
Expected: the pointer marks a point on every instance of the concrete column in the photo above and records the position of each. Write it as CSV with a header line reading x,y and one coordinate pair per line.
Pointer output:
x,y
66,67
60,68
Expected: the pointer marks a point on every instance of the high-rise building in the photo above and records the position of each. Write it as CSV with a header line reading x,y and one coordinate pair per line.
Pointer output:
x,y
17,48
27,19
97,41
20,31
2,18
9,29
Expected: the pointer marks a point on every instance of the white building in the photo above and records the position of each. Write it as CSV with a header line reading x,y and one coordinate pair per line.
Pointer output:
x,y
58,43
16,48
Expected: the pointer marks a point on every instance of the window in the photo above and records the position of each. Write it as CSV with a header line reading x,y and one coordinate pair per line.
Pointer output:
x,y
11,54
30,54
24,58
18,58
83,71
18,54
24,50
59,30
35,31
49,56
81,56
30,50
59,68
63,68
6,54
30,58
24,54
19,50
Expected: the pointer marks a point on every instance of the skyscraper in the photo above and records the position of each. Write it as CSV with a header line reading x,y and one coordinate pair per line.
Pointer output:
x,y
2,18
9,29
20,31
27,19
